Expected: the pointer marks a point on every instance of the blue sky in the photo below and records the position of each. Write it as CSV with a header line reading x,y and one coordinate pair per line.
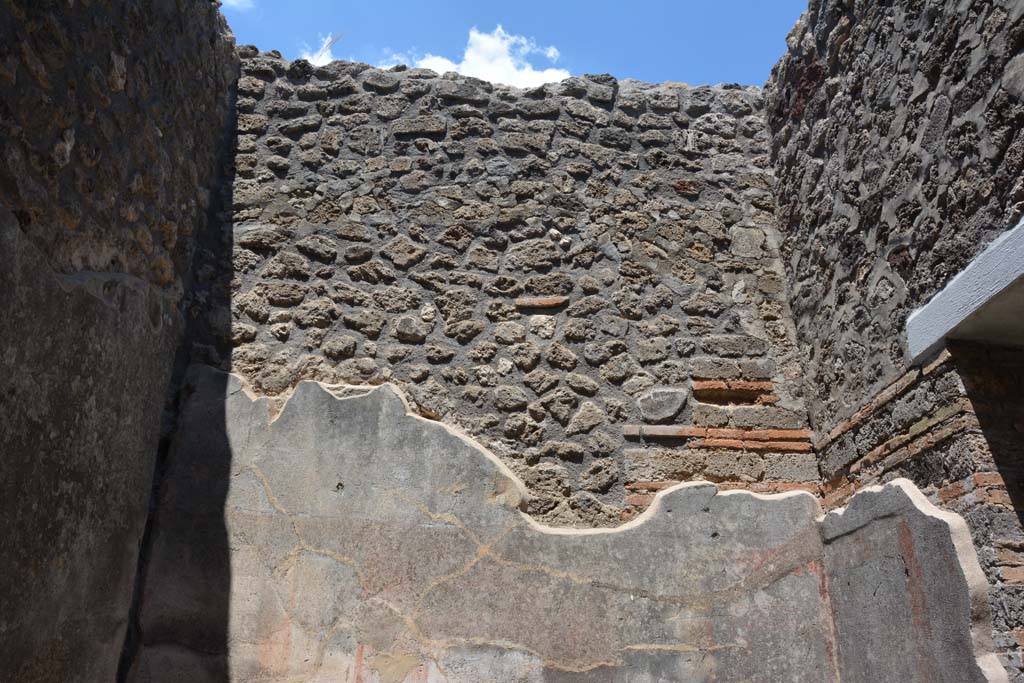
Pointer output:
x,y
693,41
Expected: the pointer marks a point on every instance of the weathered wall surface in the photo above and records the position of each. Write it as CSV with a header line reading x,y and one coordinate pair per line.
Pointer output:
x,y
584,278
898,145
530,265
952,426
370,544
112,116
898,150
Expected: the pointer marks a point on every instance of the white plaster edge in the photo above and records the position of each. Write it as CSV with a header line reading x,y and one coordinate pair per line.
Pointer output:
x,y
977,583
996,268
276,406
967,557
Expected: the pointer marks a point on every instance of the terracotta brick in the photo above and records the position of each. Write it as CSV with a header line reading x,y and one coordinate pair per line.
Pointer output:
x,y
940,360
988,479
780,446
940,415
839,496
650,485
1013,558
840,429
721,433
639,499
878,453
663,431
1012,574
732,444
906,381
733,391
896,457
541,301
920,444
834,484
952,492
995,496
779,434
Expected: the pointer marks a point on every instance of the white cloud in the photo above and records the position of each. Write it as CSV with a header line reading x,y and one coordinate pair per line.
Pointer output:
x,y
396,58
499,57
323,54
238,4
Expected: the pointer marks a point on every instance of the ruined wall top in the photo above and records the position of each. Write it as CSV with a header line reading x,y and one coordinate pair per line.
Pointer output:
x,y
542,268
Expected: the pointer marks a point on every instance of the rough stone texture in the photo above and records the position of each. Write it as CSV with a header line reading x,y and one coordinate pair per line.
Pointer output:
x,y
898,152
509,257
952,427
110,129
112,117
78,445
898,146
371,544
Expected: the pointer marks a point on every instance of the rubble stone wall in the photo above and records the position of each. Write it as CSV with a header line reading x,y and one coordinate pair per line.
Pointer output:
x,y
898,147
548,269
898,150
112,119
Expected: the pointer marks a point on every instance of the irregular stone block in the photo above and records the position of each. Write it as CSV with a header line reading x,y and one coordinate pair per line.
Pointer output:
x,y
661,405
419,125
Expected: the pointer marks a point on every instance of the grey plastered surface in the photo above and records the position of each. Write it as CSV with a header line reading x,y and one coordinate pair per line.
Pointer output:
x,y
84,365
361,543
890,552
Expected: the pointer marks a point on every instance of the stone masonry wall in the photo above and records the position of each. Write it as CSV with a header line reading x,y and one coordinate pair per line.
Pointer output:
x,y
117,174
898,146
552,270
113,115
898,150
954,427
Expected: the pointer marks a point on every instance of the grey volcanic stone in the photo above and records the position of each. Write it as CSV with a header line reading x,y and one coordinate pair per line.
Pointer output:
x,y
593,228
661,405
377,544
410,330
84,368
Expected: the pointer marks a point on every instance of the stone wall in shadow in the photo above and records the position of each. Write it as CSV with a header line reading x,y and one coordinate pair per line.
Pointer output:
x,y
201,578
112,118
